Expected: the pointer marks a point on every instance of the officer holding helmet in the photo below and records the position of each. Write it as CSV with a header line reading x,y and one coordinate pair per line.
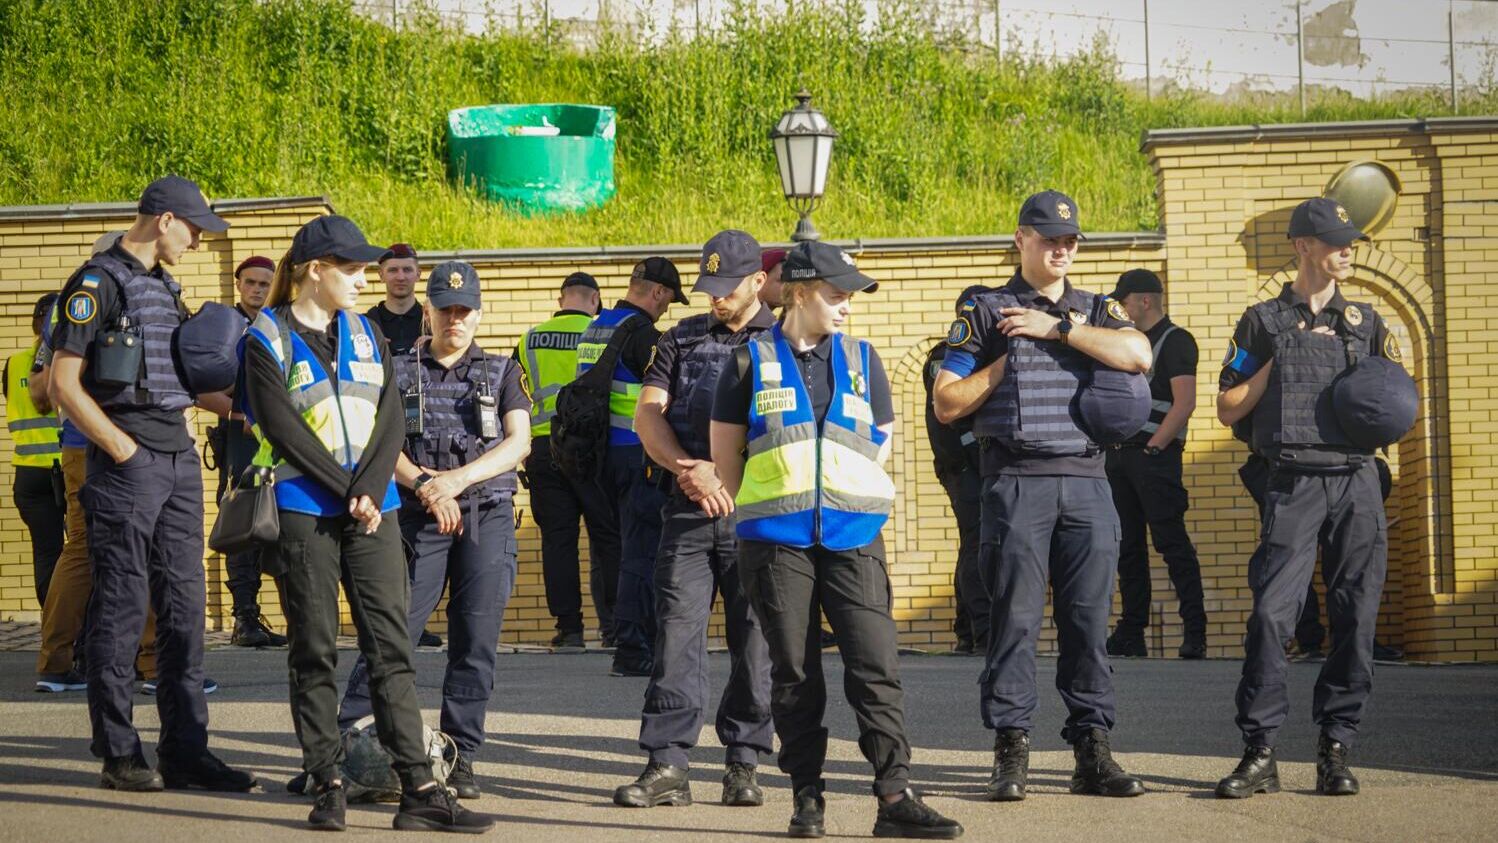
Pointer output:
x,y
1021,357
1319,377
114,375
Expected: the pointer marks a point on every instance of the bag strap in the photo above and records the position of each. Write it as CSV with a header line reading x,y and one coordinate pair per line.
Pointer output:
x,y
610,356
1149,376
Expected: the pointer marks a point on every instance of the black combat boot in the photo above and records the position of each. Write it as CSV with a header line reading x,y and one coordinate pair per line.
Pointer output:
x,y
1127,643
437,809
1332,776
330,811
910,817
203,770
740,787
1011,766
1194,647
130,773
1256,773
807,820
461,779
1097,774
660,784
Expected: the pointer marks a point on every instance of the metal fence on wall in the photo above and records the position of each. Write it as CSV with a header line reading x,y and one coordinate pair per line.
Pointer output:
x,y
1362,47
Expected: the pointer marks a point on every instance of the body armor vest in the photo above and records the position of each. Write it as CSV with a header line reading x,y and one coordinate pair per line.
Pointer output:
x,y
450,431
1033,410
154,307
700,359
1294,422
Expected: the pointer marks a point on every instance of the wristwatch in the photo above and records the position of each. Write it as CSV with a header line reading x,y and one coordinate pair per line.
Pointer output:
x,y
1064,329
421,480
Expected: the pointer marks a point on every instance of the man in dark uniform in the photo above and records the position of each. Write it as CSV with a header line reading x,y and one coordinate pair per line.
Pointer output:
x,y
234,447
1025,351
634,488
954,450
699,551
457,481
548,355
399,315
144,495
1145,473
1279,371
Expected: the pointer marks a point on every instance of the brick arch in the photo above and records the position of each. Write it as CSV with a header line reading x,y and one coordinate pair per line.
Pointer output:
x,y
909,552
1419,547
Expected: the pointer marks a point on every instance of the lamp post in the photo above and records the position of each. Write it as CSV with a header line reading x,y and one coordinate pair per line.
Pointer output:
x,y
803,148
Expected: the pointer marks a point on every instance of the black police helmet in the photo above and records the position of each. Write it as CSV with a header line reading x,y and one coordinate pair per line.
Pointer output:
x,y
1376,402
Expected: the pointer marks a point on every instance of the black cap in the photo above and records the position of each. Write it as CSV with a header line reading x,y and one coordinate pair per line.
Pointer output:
x,y
1051,213
181,198
727,259
663,272
1136,281
811,259
1326,220
1376,402
43,306
580,279
332,237
454,283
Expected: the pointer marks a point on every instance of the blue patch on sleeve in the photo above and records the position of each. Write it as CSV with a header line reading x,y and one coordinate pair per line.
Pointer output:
x,y
1239,360
959,363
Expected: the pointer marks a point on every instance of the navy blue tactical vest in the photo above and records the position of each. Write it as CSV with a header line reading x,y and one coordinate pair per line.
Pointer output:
x,y
154,306
450,436
701,358
1294,422
1033,410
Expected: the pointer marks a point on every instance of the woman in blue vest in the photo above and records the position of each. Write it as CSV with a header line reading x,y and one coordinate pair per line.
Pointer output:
x,y
801,427
321,394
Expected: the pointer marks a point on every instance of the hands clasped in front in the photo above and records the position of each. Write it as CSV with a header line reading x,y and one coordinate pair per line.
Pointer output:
x,y
699,480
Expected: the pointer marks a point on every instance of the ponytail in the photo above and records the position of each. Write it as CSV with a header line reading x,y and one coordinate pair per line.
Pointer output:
x,y
287,279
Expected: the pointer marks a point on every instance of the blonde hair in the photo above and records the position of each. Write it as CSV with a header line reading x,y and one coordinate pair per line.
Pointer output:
x,y
288,278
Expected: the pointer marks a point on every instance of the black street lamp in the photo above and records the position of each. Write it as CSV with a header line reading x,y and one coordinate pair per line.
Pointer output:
x,y
803,148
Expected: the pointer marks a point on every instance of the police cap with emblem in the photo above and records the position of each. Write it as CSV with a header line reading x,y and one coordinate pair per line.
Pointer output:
x,y
454,283
727,259
1326,220
331,236
1051,213
182,199
811,259
1376,402
661,271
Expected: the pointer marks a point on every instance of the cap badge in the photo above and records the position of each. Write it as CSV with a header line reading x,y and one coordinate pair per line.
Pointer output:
x,y
455,281
1063,210
847,258
1353,316
1341,213
713,261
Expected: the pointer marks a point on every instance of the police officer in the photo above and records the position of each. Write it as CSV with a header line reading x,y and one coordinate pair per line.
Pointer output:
x,y
36,450
1281,366
1145,474
114,376
634,489
548,355
1020,356
234,448
698,552
399,314
954,451
811,408
467,428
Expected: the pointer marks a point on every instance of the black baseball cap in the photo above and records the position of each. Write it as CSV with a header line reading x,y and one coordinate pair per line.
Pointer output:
x,y
1051,213
727,259
580,279
332,236
454,283
663,272
1136,281
1326,220
811,259
44,306
181,198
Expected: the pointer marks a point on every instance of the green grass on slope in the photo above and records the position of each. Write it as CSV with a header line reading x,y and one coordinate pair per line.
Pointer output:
x,y
283,97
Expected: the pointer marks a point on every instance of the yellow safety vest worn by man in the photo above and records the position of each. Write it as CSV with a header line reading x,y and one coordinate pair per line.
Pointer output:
x,y
36,435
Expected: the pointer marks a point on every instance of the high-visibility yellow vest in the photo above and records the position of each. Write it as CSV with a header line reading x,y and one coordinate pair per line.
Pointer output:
x,y
548,354
807,484
36,435
339,408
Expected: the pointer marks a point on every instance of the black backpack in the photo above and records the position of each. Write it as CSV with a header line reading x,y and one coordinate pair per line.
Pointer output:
x,y
580,428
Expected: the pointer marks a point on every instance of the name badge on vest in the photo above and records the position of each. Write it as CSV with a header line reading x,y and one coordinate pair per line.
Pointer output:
x,y
301,375
770,372
589,353
768,401
857,409
372,373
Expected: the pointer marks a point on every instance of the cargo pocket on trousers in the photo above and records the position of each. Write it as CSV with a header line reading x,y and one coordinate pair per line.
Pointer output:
x,y
874,573
756,565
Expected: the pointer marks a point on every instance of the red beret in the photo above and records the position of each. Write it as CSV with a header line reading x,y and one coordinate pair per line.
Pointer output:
x,y
770,258
255,261
399,250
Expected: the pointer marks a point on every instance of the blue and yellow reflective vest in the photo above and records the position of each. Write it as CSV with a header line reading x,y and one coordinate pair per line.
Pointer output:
x,y
624,388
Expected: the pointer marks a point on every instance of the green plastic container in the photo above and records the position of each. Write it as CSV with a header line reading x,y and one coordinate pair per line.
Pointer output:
x,y
536,158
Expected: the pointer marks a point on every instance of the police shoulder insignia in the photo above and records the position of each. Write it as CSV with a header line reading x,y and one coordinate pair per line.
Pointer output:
x,y
1353,314
525,382
1116,310
1232,354
90,282
713,261
81,308
961,332
967,306
1391,349
1063,210
650,364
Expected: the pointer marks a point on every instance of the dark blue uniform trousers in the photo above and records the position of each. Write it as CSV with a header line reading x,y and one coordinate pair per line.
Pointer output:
x,y
479,569
638,503
1064,528
698,557
145,534
1344,514
965,492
